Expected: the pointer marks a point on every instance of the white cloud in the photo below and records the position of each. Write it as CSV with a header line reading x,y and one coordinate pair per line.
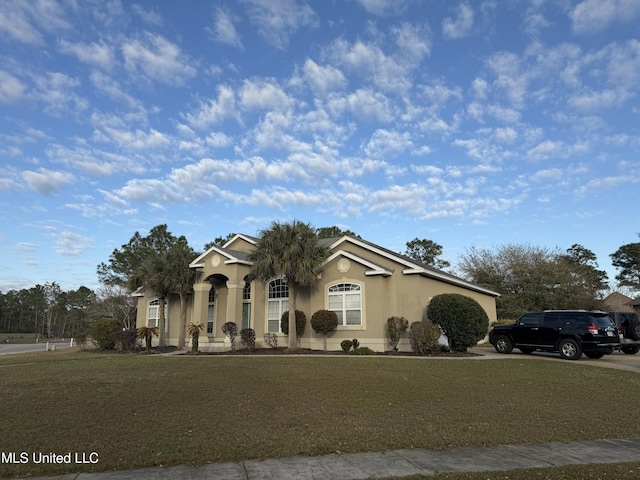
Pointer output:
x,y
323,79
366,104
215,111
278,20
47,182
96,54
71,244
460,26
23,21
590,16
58,92
546,149
264,94
158,59
224,30
11,89
385,144
382,7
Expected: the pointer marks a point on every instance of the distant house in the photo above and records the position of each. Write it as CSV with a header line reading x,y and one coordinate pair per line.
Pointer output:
x,y
617,302
362,282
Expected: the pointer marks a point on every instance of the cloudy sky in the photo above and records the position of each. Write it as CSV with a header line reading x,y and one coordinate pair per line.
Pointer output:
x,y
476,123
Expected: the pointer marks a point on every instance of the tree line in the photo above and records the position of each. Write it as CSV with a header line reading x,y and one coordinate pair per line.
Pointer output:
x,y
527,278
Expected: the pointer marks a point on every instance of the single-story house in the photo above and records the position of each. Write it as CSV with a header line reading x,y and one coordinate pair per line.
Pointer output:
x,y
363,283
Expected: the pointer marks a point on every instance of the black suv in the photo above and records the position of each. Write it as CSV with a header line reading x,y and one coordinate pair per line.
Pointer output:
x,y
629,329
569,332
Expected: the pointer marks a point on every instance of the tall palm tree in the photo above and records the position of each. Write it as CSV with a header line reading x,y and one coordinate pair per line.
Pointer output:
x,y
154,275
290,250
183,278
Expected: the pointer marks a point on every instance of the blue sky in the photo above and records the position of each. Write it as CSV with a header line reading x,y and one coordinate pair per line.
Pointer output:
x,y
476,123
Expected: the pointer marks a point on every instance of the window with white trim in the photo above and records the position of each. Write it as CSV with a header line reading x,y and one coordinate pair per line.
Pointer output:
x,y
211,311
346,300
153,313
277,303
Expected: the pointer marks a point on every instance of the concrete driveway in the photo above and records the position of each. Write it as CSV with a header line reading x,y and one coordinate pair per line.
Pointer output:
x,y
617,360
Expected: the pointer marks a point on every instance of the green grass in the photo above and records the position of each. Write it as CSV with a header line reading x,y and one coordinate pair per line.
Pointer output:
x,y
139,410
18,337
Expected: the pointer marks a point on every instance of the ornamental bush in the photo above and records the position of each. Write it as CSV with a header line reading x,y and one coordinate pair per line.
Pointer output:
x,y
301,323
355,343
462,319
126,340
396,326
271,339
230,329
423,337
248,338
102,332
324,322
346,345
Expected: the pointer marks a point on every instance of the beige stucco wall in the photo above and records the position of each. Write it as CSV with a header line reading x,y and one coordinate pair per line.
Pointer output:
x,y
398,294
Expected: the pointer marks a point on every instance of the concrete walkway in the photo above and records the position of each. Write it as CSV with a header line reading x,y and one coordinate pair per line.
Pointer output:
x,y
396,463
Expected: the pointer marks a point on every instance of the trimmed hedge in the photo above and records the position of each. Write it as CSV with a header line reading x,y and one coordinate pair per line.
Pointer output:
x,y
461,318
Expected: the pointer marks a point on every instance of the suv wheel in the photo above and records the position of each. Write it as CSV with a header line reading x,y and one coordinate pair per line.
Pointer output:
x,y
503,344
633,330
569,349
631,349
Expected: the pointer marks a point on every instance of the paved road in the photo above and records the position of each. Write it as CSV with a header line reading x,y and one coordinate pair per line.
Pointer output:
x,y
8,348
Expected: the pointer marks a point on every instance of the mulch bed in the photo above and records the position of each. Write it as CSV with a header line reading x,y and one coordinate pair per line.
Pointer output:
x,y
308,351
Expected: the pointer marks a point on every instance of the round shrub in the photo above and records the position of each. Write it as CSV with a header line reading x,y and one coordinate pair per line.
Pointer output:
x,y
301,323
230,329
461,318
346,345
248,338
355,343
126,340
423,337
324,322
103,331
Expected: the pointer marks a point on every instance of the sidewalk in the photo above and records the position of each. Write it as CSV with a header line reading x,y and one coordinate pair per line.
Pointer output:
x,y
396,463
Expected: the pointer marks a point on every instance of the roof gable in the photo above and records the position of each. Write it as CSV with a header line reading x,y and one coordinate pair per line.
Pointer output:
x,y
411,266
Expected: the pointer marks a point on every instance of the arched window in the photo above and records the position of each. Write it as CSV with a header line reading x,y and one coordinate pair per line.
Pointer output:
x,y
277,303
211,311
346,300
246,305
153,313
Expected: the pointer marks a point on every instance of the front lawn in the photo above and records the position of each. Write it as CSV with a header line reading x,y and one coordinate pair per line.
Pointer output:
x,y
143,410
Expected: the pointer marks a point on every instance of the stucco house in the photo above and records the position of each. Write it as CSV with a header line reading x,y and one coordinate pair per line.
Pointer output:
x,y
362,282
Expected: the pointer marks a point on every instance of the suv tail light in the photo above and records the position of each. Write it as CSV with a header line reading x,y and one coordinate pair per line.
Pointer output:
x,y
621,331
592,329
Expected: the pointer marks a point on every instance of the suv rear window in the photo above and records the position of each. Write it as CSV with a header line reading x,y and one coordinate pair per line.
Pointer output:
x,y
602,320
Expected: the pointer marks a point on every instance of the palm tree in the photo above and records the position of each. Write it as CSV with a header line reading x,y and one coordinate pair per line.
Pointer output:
x,y
147,334
194,331
155,275
183,278
290,250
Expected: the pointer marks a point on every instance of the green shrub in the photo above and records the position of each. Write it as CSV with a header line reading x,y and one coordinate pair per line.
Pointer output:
x,y
125,341
271,339
301,323
346,345
423,337
362,351
355,343
396,326
230,329
80,339
248,338
461,318
102,333
324,322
